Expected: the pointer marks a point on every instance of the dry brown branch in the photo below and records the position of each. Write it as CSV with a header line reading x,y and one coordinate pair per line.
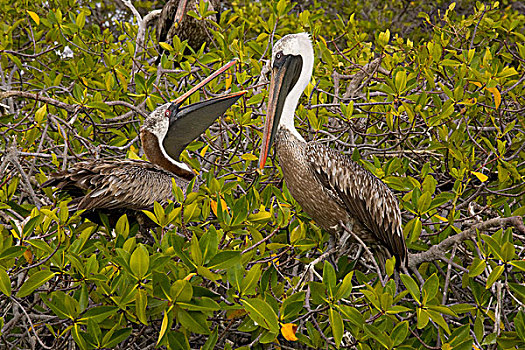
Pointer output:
x,y
37,97
143,24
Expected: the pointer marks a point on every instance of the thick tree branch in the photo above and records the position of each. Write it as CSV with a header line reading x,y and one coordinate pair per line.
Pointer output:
x,y
438,251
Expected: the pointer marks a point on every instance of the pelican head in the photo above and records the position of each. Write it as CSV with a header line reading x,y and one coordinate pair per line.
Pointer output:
x,y
171,127
292,66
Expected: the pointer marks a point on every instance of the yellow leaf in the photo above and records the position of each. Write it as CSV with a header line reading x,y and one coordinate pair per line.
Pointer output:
x,y
132,154
481,177
40,113
213,205
276,260
187,278
204,150
163,327
233,314
470,101
34,16
440,218
288,331
28,256
228,82
496,95
166,46
248,156
477,83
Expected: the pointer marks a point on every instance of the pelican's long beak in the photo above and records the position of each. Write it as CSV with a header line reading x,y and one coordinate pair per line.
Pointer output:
x,y
179,100
188,122
285,73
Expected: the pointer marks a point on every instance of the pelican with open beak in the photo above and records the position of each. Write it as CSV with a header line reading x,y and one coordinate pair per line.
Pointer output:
x,y
115,187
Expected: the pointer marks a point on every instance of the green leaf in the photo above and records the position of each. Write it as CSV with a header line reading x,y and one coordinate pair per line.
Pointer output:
x,y
477,267
13,252
235,276
194,321
99,313
519,323
336,322
422,318
508,251
400,81
423,203
117,337
200,304
412,287
141,301
209,244
518,289
34,281
122,226
151,216
494,275
399,333
430,288
77,336
29,227
225,259
165,46
195,250
379,336
250,280
262,313
345,287
520,264
441,199
493,246
437,318
329,278
292,306
5,283
139,261
181,290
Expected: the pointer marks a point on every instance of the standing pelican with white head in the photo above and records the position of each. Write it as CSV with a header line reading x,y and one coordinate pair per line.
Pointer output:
x,y
330,187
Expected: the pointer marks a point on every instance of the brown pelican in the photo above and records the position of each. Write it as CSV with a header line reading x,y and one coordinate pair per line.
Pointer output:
x,y
174,19
126,186
329,186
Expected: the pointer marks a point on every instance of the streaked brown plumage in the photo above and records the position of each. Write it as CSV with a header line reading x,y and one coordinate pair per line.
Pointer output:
x,y
174,19
126,186
118,184
330,187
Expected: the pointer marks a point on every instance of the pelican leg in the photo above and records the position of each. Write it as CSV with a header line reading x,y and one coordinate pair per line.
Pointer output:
x,y
334,256
369,253
310,269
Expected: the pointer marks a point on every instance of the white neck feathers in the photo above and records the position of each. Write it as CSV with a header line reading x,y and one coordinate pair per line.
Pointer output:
x,y
297,45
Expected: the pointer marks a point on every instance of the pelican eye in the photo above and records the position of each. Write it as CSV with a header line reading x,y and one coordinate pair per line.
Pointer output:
x,y
167,113
279,55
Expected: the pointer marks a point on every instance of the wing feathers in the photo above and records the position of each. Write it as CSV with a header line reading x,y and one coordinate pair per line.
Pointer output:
x,y
364,196
128,184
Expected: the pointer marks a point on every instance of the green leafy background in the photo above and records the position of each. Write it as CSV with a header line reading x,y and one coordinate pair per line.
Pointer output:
x,y
428,97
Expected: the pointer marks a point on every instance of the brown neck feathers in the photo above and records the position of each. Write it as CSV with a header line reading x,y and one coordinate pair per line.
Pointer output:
x,y
151,146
